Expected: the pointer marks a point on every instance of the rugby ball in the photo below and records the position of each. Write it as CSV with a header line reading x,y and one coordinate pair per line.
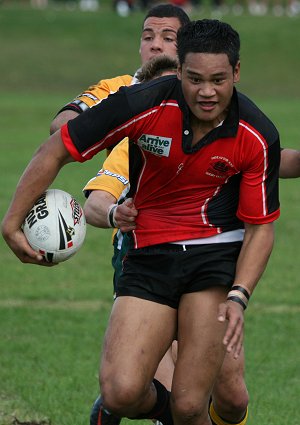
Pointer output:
x,y
55,226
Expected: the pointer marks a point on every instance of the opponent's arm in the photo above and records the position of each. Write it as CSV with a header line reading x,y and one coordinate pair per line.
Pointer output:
x,y
106,188
96,208
102,211
289,164
88,98
255,252
39,174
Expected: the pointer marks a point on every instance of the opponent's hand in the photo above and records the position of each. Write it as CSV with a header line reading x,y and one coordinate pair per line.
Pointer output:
x,y
19,245
233,338
124,216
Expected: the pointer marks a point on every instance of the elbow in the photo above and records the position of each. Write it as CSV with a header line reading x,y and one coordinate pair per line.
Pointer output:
x,y
289,164
61,119
54,127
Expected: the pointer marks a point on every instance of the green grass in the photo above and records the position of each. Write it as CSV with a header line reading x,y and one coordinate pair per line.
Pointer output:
x,y
53,320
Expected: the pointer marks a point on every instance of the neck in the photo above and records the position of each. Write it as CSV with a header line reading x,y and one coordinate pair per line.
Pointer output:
x,y
206,125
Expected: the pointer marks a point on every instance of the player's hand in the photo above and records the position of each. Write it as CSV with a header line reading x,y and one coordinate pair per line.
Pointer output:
x,y
18,244
233,338
124,216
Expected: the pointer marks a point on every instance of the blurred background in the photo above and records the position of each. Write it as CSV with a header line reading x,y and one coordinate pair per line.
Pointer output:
x,y
52,321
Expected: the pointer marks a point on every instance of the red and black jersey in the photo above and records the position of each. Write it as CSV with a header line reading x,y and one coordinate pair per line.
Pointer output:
x,y
182,191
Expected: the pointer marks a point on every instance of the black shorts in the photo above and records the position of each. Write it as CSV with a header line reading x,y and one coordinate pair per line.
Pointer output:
x,y
162,273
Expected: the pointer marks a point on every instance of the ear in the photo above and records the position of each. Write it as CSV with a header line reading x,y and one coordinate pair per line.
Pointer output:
x,y
236,72
179,72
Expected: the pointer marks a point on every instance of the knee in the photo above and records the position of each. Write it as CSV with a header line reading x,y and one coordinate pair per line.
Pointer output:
x,y
240,403
230,395
231,404
233,400
120,396
186,410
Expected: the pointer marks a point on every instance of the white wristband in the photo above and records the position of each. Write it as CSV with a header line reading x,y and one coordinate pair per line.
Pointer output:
x,y
110,216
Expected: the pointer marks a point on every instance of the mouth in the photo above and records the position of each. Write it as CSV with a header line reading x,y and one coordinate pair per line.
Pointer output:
x,y
207,105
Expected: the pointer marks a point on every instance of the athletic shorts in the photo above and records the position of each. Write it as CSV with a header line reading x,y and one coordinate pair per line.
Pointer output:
x,y
162,273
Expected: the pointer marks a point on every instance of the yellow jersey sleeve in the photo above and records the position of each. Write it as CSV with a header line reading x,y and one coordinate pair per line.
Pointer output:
x,y
102,89
113,177
92,95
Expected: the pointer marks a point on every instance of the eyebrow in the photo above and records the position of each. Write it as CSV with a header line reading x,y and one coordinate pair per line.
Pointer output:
x,y
217,74
164,30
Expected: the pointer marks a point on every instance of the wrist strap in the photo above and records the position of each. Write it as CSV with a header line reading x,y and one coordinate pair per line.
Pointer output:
x,y
242,290
237,300
239,295
110,216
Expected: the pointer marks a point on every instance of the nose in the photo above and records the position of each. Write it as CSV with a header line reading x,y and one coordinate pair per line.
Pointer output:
x,y
206,89
157,44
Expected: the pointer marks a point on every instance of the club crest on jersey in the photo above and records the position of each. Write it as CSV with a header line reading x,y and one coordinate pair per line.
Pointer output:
x,y
157,145
220,167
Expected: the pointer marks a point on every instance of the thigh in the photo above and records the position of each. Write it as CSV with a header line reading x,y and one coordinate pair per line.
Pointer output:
x,y
138,335
200,348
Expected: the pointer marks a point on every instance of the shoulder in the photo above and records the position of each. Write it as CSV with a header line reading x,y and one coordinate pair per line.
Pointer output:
x,y
162,84
250,114
116,82
152,93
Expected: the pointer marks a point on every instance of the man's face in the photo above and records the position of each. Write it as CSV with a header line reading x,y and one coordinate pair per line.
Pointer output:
x,y
207,81
159,37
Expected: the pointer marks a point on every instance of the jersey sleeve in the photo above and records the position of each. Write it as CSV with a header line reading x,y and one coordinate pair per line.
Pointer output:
x,y
95,93
113,177
259,188
100,127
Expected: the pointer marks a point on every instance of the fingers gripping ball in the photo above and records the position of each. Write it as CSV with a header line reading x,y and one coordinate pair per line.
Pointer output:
x,y
55,226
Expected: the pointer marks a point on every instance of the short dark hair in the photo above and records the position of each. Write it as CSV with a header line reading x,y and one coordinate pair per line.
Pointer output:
x,y
156,67
208,36
168,11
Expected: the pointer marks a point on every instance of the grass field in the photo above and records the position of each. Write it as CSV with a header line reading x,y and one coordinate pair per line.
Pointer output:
x,y
53,320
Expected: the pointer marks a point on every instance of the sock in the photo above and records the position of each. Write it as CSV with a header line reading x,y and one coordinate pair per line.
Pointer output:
x,y
161,410
101,416
217,420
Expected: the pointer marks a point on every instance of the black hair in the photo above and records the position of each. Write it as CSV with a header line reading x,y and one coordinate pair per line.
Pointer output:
x,y
168,11
208,36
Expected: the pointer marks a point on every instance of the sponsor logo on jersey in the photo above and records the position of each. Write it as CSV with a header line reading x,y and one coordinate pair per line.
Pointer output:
x,y
157,145
220,167
89,95
122,179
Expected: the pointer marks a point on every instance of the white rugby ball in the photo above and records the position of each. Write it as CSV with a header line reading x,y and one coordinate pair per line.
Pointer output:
x,y
55,226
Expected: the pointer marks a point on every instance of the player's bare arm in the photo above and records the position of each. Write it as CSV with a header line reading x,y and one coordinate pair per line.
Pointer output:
x,y
39,174
289,164
256,249
96,208
61,119
100,204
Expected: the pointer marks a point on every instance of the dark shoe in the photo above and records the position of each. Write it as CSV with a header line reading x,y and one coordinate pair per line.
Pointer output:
x,y
100,416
